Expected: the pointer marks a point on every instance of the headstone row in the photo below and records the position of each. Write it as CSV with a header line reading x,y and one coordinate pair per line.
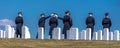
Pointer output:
x,y
57,33
100,35
74,34
25,32
10,32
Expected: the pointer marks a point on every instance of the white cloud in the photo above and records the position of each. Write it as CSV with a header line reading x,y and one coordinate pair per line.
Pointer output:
x,y
7,22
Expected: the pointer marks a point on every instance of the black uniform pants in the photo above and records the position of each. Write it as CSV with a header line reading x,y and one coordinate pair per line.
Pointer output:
x,y
92,30
65,33
19,30
65,29
51,29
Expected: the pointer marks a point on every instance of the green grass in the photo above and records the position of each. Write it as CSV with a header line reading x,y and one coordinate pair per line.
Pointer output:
x,y
36,43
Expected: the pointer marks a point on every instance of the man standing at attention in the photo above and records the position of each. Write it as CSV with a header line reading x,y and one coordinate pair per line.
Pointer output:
x,y
90,22
19,24
106,22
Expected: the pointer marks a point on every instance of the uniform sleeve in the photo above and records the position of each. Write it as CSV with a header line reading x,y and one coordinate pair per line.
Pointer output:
x,y
39,23
57,22
22,21
86,21
50,22
60,18
71,23
47,17
110,23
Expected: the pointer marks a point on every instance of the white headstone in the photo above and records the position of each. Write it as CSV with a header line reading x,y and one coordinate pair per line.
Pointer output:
x,y
83,35
74,34
41,33
116,35
110,35
62,36
100,35
79,35
1,33
4,34
8,30
106,34
12,33
88,34
25,32
95,36
56,33
68,34
119,36
48,36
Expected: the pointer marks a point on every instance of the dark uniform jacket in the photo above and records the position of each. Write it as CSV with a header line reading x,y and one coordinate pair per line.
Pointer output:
x,y
67,21
53,21
41,22
19,20
90,22
19,24
106,22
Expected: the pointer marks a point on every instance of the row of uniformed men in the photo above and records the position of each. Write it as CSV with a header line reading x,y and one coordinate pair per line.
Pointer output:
x,y
67,21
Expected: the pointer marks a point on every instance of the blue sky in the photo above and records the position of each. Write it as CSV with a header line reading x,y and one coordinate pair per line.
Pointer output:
x,y
79,11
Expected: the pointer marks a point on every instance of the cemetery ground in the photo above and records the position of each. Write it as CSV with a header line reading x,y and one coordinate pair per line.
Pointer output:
x,y
37,43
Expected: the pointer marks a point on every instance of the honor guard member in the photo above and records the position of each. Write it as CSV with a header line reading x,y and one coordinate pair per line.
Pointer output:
x,y
106,22
90,22
67,21
53,22
19,24
41,22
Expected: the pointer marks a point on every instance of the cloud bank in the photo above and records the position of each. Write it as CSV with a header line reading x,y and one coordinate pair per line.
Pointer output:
x,y
4,22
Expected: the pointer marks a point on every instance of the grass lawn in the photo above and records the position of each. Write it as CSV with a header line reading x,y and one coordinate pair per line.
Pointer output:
x,y
36,43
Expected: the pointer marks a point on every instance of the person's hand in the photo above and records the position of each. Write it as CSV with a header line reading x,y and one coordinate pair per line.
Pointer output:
x,y
56,15
52,14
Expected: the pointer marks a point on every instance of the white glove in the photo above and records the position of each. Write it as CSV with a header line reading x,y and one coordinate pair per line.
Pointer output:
x,y
52,14
56,15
